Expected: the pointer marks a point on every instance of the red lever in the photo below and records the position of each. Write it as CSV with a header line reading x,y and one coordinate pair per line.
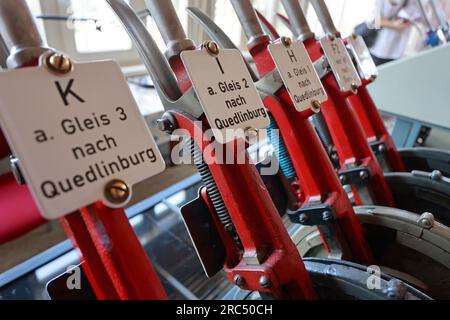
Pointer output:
x,y
314,170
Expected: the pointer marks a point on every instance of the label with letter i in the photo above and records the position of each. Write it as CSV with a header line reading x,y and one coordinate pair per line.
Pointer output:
x,y
298,74
75,133
226,92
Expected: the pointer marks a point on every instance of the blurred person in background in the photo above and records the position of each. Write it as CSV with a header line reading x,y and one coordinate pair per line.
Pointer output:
x,y
389,33
395,22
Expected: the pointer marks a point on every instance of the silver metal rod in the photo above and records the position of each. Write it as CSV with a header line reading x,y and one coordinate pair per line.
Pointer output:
x,y
424,15
168,23
19,32
439,13
249,20
217,34
156,64
324,17
298,20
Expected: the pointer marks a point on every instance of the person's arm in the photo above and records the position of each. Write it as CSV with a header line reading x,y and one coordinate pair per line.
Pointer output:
x,y
395,24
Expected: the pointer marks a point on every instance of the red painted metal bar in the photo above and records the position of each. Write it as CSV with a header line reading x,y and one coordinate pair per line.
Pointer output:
x,y
314,170
347,133
114,261
265,248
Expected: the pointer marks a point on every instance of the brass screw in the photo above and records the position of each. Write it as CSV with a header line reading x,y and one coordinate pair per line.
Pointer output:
x,y
211,47
117,191
316,106
373,77
286,41
355,36
59,63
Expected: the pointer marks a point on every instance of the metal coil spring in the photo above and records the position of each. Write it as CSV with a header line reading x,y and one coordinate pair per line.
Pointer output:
x,y
280,149
211,187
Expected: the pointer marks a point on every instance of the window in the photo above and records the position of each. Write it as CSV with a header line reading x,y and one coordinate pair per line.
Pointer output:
x,y
93,31
98,34
227,20
101,31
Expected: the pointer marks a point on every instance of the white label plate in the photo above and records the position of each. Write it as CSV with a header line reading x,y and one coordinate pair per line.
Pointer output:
x,y
341,63
298,74
226,92
58,138
361,53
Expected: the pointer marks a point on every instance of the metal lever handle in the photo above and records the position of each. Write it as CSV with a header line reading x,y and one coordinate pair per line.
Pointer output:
x,y
324,17
249,20
19,32
158,67
216,34
298,20
166,18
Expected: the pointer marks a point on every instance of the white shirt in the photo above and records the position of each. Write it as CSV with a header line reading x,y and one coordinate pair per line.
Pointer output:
x,y
390,43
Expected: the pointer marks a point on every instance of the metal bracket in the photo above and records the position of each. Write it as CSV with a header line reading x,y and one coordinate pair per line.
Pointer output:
x,y
204,235
322,214
378,147
355,176
380,150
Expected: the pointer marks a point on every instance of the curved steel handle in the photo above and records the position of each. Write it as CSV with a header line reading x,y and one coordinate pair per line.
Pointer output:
x,y
158,67
249,20
324,16
19,32
297,18
216,34
169,25
155,62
